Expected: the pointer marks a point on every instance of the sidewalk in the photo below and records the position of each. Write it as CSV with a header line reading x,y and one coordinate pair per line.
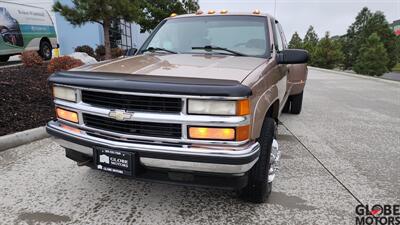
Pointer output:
x,y
392,76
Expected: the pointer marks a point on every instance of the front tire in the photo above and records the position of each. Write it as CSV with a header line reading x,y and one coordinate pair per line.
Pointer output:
x,y
258,188
45,50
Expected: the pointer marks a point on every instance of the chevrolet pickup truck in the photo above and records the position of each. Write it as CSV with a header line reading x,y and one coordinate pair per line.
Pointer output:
x,y
198,104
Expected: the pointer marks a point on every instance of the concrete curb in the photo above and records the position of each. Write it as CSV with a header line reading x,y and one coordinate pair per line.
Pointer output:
x,y
356,75
21,138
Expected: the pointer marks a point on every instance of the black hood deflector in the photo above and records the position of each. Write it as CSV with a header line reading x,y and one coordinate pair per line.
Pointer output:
x,y
151,84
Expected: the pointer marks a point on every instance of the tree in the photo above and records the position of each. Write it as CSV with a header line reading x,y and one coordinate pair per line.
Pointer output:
x,y
352,40
157,10
310,41
365,24
99,11
373,58
379,25
328,53
296,41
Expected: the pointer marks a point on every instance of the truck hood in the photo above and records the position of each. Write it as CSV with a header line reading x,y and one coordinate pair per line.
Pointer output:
x,y
180,65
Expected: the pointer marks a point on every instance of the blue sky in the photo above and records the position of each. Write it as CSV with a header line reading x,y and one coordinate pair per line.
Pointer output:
x,y
296,15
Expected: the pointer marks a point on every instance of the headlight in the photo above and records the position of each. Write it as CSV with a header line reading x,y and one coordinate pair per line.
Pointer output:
x,y
64,93
219,107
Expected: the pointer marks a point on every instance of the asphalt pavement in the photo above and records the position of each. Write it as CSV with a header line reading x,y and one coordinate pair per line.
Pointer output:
x,y
342,150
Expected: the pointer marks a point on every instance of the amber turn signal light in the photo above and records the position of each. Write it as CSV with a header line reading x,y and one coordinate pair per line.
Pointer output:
x,y
67,115
243,107
212,133
225,134
242,133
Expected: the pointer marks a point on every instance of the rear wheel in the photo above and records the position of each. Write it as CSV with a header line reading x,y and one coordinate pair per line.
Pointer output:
x,y
4,58
45,50
259,185
286,108
296,103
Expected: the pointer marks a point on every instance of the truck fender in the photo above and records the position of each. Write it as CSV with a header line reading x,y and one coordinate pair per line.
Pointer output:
x,y
262,105
297,78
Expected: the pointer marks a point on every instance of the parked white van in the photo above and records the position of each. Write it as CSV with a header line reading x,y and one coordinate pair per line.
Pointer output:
x,y
24,28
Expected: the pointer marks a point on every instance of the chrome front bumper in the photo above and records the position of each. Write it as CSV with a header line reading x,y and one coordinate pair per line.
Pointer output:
x,y
233,160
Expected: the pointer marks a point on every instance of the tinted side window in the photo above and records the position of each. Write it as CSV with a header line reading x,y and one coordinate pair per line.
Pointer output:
x,y
279,43
284,41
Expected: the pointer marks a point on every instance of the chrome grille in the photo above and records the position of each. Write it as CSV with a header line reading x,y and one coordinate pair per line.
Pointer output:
x,y
164,130
132,102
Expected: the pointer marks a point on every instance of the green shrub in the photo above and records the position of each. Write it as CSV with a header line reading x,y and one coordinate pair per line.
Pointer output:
x,y
116,52
328,53
373,58
86,49
100,52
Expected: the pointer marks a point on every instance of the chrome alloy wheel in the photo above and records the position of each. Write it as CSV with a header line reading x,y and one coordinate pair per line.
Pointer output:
x,y
274,160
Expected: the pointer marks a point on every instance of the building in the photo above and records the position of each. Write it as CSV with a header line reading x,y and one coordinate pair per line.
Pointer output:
x,y
122,34
396,27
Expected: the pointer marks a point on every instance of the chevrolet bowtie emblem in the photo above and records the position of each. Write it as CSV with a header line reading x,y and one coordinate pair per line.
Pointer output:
x,y
120,115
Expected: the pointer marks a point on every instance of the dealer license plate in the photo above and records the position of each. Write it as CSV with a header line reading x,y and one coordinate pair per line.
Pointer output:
x,y
114,161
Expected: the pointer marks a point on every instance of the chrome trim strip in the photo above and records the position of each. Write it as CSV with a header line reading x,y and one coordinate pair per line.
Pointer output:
x,y
197,166
228,151
124,137
70,145
181,118
154,95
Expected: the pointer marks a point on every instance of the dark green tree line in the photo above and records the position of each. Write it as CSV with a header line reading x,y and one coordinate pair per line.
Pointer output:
x,y
369,46
372,58
328,53
296,41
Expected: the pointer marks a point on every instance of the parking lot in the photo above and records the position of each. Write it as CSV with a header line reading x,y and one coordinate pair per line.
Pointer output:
x,y
341,151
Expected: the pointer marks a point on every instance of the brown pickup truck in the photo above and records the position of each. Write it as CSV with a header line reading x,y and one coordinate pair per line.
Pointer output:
x,y
197,104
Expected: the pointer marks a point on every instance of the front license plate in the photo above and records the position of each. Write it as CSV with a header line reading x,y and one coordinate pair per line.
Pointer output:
x,y
114,161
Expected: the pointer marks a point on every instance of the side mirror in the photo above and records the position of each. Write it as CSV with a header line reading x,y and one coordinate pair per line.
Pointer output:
x,y
292,56
131,52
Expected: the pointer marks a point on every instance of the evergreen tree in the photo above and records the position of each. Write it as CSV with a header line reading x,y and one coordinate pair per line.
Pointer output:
x,y
365,24
328,53
310,41
379,25
147,13
373,58
296,42
157,10
99,11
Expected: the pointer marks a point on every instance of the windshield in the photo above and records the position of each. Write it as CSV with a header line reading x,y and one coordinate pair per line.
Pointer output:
x,y
241,34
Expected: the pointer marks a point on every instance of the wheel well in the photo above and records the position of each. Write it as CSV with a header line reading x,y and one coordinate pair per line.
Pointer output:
x,y
273,111
45,39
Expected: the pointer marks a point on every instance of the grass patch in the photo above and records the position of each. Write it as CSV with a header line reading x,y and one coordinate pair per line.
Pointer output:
x,y
397,68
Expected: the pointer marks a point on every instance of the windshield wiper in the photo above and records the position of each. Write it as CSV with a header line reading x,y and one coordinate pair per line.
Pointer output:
x,y
210,48
151,49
